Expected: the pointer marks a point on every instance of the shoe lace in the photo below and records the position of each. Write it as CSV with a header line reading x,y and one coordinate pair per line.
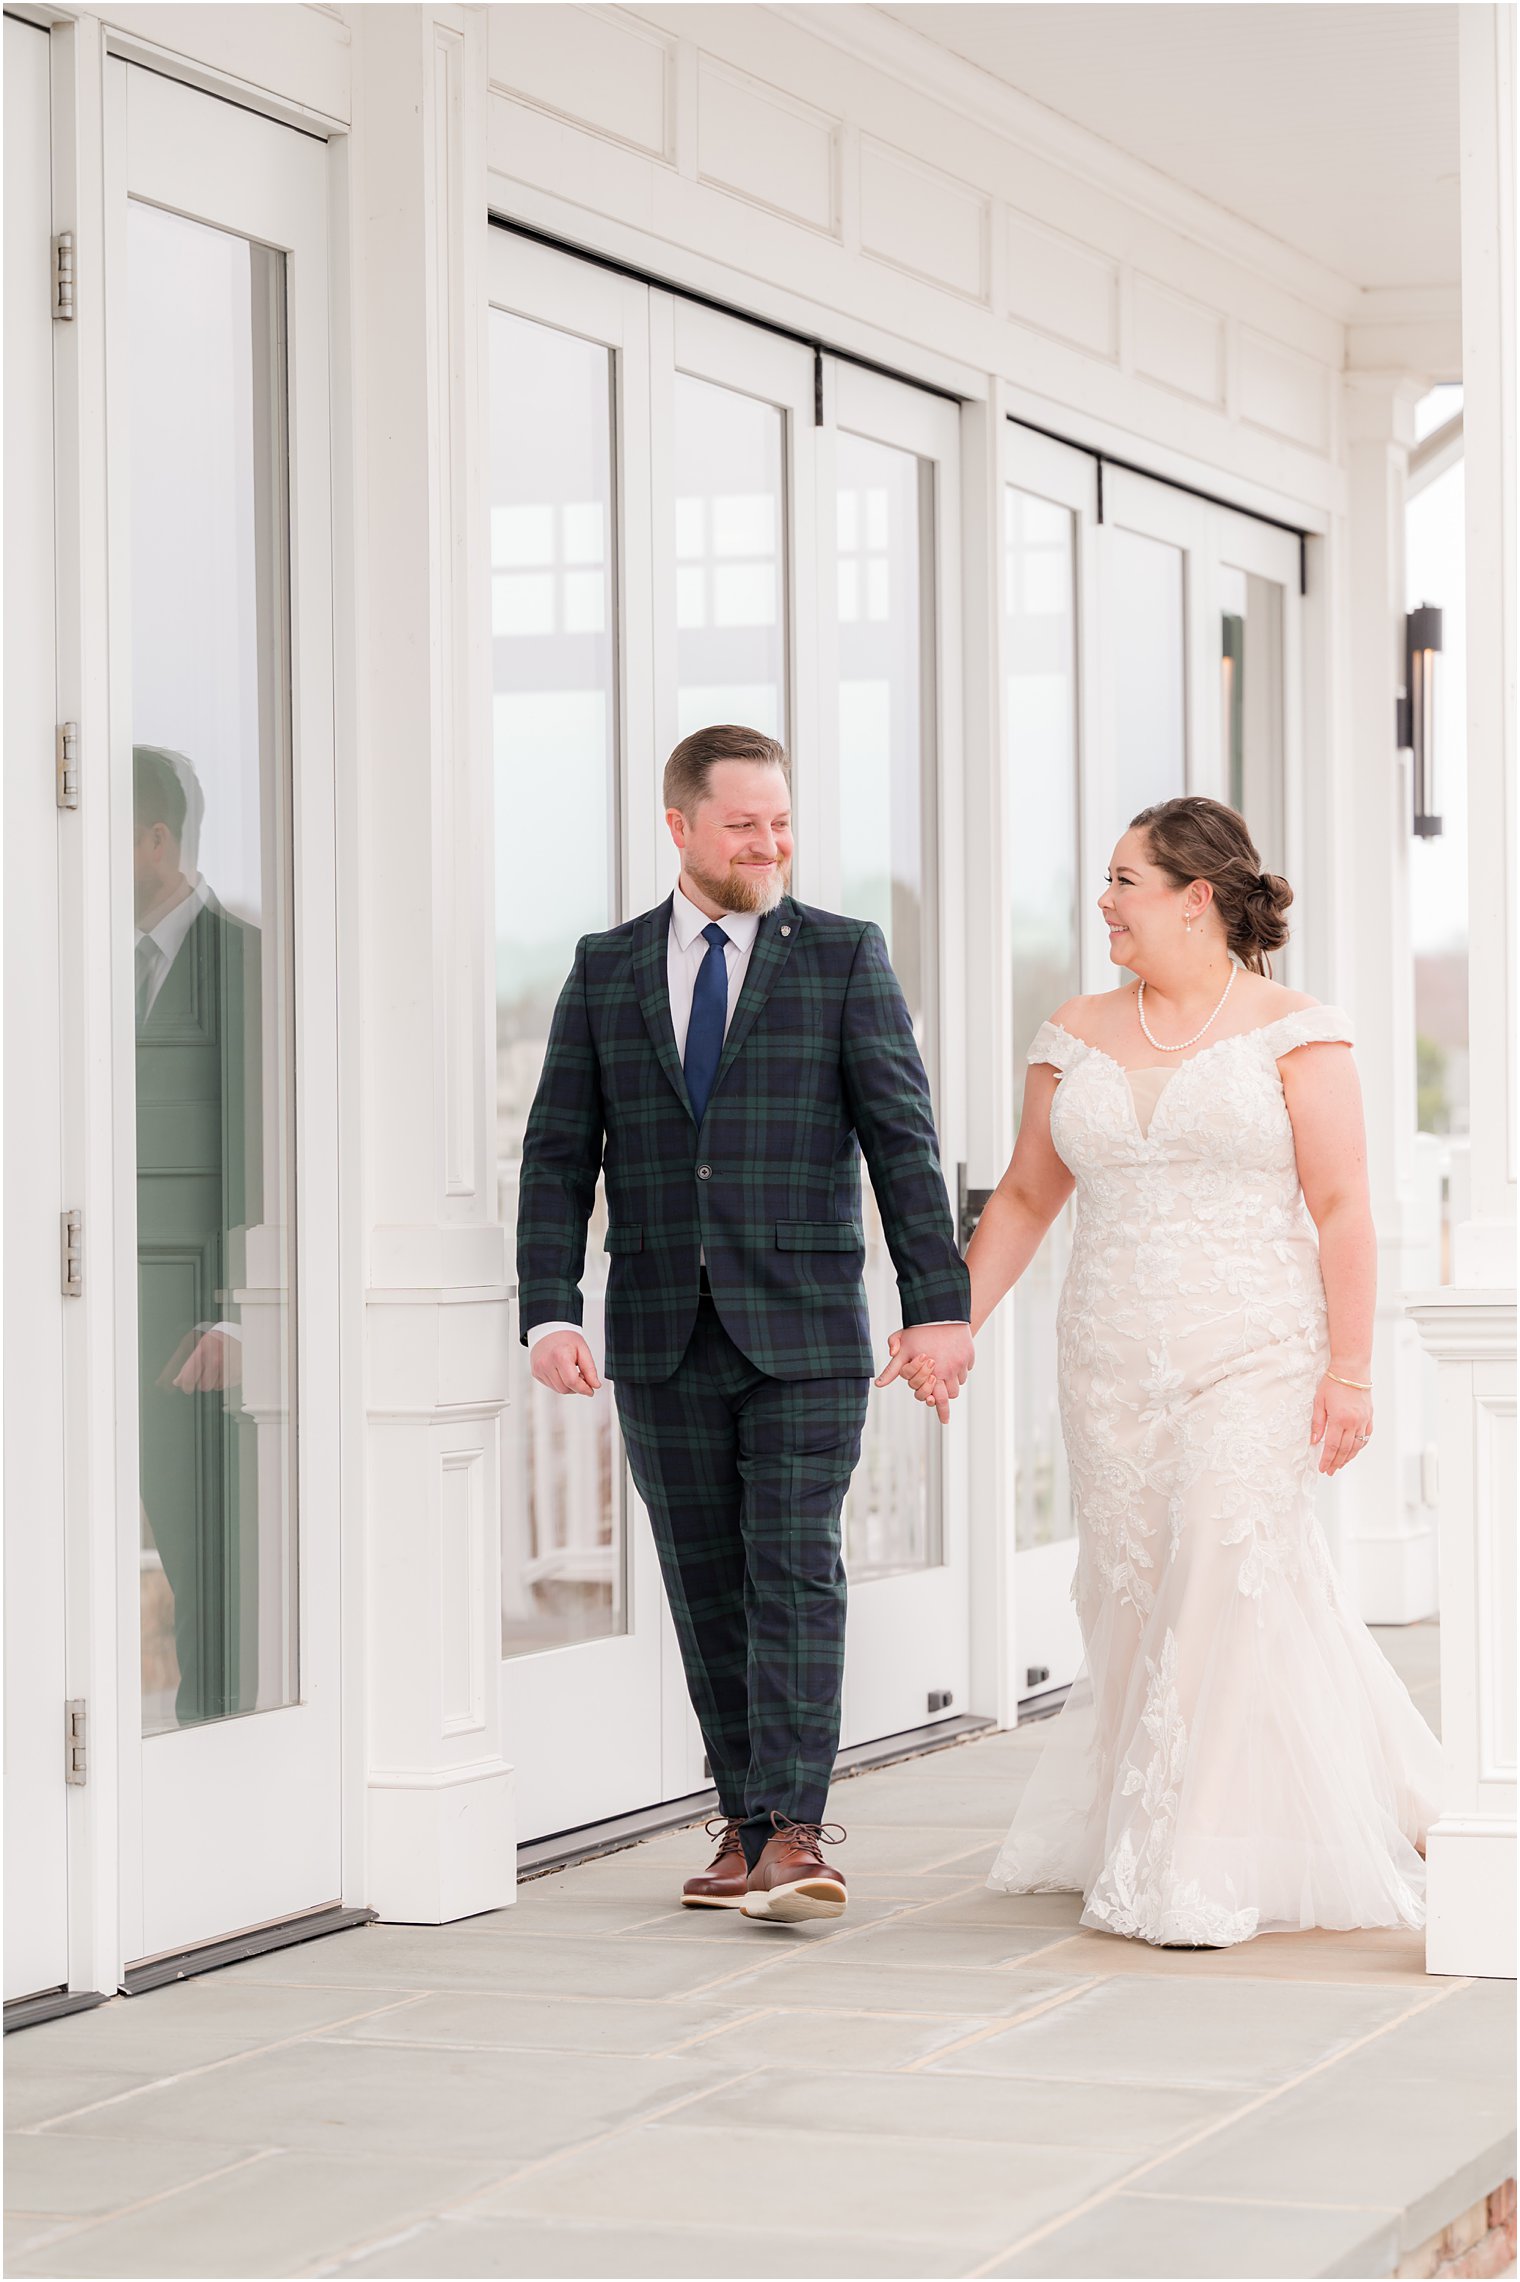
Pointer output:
x,y
813,1836
724,1830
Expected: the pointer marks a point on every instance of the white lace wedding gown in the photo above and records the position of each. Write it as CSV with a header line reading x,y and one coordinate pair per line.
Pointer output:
x,y
1237,1756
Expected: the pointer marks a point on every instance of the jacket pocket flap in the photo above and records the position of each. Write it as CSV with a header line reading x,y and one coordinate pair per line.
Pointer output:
x,y
624,1239
818,1236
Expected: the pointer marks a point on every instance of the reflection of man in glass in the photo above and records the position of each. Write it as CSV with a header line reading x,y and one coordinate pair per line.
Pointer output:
x,y
197,979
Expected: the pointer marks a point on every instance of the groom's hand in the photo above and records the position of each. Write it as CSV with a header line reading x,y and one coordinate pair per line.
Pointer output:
x,y
934,1358
563,1363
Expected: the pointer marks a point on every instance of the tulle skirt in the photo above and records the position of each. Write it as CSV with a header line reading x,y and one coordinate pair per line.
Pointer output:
x,y
1230,1761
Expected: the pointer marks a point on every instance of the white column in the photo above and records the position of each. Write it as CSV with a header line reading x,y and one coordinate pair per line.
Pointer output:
x,y
440,1810
1385,1532
1470,1329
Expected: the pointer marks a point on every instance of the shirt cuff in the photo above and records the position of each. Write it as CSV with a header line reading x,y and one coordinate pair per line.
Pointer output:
x,y
542,1331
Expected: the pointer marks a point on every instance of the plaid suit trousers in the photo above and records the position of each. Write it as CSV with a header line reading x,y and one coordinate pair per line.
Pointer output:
x,y
744,1479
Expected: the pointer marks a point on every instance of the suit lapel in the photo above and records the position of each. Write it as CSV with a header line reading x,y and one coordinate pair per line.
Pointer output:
x,y
776,934
651,982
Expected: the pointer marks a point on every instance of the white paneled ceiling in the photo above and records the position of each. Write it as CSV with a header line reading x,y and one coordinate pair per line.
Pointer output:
x,y
1333,127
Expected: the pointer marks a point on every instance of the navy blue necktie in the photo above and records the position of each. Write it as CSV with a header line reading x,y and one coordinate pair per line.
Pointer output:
x,y
709,1018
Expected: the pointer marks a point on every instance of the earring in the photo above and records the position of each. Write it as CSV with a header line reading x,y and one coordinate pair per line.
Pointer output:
x,y
1187,924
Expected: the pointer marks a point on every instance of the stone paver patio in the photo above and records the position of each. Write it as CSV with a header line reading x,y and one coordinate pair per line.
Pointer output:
x,y
948,2082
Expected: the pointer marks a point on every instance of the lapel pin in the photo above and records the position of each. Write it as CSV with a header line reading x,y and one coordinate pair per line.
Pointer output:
x,y
786,930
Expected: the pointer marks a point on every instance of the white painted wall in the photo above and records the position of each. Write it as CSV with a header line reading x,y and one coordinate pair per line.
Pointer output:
x,y
795,161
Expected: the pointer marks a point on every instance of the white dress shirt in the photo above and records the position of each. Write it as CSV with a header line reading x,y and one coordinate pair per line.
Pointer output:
x,y
685,951
684,956
167,937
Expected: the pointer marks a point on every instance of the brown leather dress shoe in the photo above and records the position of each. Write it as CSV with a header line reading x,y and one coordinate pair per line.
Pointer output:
x,y
721,1885
791,1883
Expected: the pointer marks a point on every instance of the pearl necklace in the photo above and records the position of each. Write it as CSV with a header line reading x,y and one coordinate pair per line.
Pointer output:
x,y
1197,1034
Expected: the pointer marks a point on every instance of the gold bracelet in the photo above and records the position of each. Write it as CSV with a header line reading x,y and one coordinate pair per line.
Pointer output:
x,y
1362,1386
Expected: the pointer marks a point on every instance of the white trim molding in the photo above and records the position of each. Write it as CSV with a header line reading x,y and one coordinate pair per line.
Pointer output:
x,y
1471,1847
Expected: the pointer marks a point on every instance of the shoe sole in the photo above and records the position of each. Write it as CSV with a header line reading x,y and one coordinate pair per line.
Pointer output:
x,y
712,1901
794,1905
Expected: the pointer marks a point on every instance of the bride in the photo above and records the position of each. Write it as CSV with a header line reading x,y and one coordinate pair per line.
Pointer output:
x,y
1237,1756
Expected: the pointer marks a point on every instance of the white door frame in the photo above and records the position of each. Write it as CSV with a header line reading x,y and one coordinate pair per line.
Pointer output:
x,y
198,155
36,1795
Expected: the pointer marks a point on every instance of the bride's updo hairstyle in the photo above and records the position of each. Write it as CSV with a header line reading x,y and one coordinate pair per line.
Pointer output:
x,y
1198,839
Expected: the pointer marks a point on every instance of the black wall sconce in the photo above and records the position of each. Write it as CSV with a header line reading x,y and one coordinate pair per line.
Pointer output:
x,y
1417,712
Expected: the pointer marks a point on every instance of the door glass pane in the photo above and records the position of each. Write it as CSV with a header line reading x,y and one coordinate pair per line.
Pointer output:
x,y
553,649
1146,661
892,1515
1040,760
1251,704
730,580
211,959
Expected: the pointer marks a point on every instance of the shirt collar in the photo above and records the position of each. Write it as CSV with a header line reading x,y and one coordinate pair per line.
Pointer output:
x,y
175,925
688,922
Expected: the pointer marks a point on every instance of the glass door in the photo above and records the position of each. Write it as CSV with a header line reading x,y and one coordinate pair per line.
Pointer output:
x,y
890,680
222,713
676,541
1149,654
36,1798
582,1608
1253,577
1201,636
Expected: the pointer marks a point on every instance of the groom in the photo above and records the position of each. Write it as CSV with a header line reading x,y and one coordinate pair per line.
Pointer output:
x,y
719,1059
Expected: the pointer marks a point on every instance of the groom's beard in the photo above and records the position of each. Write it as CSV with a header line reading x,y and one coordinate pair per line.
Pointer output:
x,y
735,892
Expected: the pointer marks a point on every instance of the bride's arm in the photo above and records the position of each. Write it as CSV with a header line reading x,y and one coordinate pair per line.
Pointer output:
x,y
1024,1203
1324,1101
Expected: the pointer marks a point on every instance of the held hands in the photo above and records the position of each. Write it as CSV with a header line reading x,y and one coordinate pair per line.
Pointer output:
x,y
1342,1423
562,1362
933,1359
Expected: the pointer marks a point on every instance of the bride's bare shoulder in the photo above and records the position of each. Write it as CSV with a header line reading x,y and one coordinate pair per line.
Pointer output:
x,y
1268,1001
1096,1018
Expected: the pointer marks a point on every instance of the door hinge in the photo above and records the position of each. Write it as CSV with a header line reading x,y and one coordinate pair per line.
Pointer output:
x,y
75,1761
68,764
71,1252
1036,1675
63,275
940,1699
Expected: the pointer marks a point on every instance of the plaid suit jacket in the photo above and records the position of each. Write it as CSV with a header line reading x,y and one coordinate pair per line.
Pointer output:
x,y
819,1062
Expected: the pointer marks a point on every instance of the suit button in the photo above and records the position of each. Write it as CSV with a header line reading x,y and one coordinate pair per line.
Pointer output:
x,y
704,1172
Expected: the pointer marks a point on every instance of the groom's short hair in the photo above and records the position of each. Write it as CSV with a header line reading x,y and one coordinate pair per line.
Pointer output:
x,y
689,770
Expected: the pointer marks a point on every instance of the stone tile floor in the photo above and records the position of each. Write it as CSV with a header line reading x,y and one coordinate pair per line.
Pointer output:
x,y
947,2082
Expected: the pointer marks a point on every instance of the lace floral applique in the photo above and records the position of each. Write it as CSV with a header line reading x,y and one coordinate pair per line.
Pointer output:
x,y
1191,1334
1137,1894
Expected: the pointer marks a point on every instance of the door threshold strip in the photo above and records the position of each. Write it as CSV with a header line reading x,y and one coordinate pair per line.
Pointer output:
x,y
563,1849
1042,1707
50,2005
209,1955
